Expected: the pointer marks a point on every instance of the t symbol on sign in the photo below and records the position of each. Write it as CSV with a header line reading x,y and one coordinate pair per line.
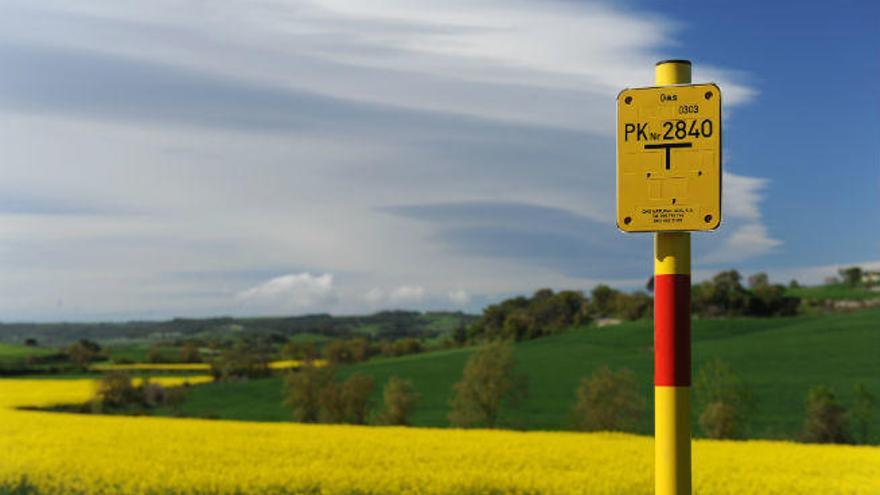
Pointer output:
x,y
668,147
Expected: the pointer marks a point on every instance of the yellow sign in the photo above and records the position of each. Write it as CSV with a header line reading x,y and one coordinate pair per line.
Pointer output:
x,y
669,158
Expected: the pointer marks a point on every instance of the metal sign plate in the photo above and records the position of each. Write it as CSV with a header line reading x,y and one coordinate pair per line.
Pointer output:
x,y
669,158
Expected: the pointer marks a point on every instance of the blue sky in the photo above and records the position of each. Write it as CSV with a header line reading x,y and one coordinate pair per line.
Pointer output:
x,y
284,157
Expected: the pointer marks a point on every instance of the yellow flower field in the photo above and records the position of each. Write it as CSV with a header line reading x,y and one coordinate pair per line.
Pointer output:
x,y
274,365
67,453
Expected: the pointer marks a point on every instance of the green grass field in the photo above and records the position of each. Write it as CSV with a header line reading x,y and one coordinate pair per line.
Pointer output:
x,y
834,292
13,353
779,360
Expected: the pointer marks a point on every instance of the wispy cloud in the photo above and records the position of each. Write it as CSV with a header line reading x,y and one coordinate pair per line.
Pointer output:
x,y
423,153
296,291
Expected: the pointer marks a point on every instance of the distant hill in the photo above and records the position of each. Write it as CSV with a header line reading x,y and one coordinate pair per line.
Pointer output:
x,y
386,324
778,359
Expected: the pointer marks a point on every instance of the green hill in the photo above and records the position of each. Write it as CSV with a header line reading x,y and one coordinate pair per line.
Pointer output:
x,y
13,353
779,359
384,324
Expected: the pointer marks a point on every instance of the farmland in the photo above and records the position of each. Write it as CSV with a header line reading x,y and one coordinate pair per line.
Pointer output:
x,y
779,359
52,453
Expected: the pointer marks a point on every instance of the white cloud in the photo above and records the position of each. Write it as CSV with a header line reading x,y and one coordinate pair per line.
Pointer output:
x,y
406,294
746,241
459,297
484,58
741,196
199,210
375,296
293,291
742,235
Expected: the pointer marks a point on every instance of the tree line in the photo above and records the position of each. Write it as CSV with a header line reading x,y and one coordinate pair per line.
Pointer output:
x,y
547,312
606,400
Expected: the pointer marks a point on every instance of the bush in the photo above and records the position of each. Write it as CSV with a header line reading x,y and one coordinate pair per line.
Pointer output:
x,y
331,403
851,277
82,353
356,392
724,400
402,347
303,351
189,353
488,382
116,390
338,351
243,360
608,400
315,395
399,398
303,391
826,420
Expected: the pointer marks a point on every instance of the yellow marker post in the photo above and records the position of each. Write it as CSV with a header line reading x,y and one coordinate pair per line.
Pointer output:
x,y
669,183
672,373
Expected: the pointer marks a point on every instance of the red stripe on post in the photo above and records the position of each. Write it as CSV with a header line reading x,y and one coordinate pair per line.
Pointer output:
x,y
672,330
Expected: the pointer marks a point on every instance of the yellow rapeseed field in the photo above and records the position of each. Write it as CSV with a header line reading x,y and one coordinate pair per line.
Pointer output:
x,y
274,365
60,453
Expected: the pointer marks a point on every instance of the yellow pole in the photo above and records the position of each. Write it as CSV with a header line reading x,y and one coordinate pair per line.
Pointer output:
x,y
672,346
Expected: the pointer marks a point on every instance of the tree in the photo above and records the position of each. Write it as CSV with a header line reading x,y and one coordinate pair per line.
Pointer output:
x,y
633,306
303,389
399,398
460,336
356,392
154,355
31,342
826,420
360,349
724,400
242,360
794,284
189,353
338,351
851,277
488,382
115,390
302,351
82,353
608,400
758,280
331,403
649,285
602,300
863,411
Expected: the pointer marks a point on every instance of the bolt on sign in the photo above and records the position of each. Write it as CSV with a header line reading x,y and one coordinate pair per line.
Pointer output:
x,y
669,158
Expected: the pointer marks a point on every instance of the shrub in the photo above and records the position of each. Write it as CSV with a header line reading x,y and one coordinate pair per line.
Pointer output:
x,y
243,360
851,277
356,392
826,418
399,398
331,403
82,353
304,351
608,400
725,401
189,353
116,390
303,391
488,382
338,351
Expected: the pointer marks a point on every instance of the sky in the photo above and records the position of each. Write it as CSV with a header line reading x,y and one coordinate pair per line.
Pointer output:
x,y
191,158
